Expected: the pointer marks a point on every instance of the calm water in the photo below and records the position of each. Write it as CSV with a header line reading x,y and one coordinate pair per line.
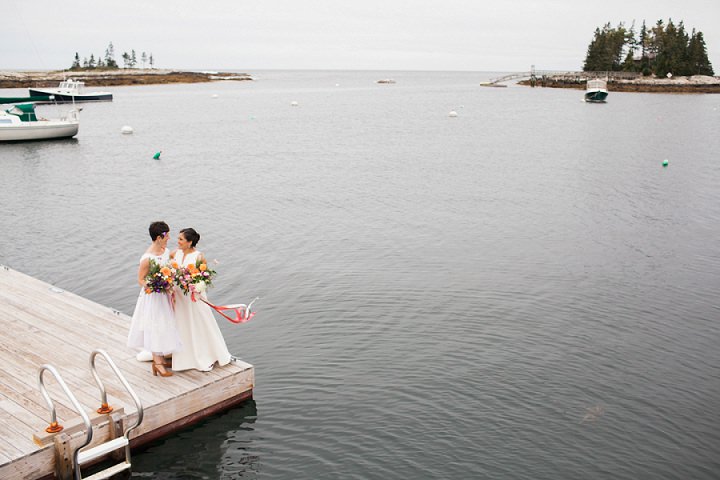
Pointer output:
x,y
519,292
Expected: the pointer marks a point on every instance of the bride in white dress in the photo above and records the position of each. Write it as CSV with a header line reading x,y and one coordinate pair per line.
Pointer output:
x,y
203,343
152,327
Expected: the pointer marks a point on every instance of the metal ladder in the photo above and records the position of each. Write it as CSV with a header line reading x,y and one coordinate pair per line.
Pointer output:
x,y
86,456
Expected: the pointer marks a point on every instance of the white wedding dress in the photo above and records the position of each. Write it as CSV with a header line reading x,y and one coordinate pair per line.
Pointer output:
x,y
203,343
153,326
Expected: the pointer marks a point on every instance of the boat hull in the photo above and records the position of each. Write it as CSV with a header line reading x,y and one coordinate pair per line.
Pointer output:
x,y
67,98
597,96
41,130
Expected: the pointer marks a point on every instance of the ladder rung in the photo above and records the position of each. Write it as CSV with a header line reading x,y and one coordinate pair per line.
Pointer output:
x,y
85,456
109,472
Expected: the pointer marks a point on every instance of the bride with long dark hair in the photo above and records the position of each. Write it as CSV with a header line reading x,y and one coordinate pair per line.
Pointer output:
x,y
203,343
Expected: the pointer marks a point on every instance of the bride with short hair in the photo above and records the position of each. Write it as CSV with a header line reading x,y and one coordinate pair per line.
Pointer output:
x,y
152,327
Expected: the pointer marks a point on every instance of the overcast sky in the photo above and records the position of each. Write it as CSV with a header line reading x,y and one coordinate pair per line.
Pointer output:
x,y
473,35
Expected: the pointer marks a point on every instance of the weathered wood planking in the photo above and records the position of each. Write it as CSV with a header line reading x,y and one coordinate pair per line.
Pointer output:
x,y
40,324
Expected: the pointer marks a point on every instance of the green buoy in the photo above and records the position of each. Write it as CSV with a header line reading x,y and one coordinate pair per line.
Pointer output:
x,y
157,156
665,163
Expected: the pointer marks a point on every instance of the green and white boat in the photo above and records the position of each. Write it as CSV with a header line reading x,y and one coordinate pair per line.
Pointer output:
x,y
20,122
596,91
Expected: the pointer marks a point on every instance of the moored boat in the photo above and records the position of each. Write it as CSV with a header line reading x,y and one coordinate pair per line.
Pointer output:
x,y
20,122
596,91
72,91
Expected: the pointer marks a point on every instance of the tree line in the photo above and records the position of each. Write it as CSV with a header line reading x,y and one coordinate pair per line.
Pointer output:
x,y
107,61
658,51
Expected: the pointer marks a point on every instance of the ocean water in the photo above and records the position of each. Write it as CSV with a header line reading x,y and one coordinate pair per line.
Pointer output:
x,y
522,291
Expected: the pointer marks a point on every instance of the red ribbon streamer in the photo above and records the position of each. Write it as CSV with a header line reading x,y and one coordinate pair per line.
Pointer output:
x,y
241,311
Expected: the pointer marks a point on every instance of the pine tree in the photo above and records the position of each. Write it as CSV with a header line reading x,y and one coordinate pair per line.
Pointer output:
x,y
133,59
126,59
605,50
143,59
644,49
110,56
76,62
151,60
697,55
91,62
628,64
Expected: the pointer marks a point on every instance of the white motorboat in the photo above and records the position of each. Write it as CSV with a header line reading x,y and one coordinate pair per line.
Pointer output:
x,y
19,122
72,91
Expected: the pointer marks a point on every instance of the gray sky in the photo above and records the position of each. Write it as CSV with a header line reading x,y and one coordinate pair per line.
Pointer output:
x,y
505,35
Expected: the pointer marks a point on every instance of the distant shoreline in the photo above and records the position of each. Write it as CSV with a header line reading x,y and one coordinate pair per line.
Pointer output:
x,y
107,78
694,84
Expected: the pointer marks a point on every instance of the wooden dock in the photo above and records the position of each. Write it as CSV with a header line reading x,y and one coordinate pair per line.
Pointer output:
x,y
41,324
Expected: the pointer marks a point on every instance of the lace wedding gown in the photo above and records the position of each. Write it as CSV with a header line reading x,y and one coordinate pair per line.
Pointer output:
x,y
153,326
203,343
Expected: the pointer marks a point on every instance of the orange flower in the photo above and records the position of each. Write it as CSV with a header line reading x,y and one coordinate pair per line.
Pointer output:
x,y
165,271
192,268
174,265
203,267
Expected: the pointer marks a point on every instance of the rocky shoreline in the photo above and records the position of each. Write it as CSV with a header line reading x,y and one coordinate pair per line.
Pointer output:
x,y
694,84
102,78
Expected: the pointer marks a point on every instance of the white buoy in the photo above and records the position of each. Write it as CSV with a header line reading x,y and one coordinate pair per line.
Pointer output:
x,y
126,130
452,113
215,95
293,104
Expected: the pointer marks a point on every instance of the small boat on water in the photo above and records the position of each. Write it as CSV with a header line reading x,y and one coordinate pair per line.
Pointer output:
x,y
596,91
20,122
72,91
386,80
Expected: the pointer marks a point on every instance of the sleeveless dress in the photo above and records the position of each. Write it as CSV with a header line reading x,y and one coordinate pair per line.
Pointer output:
x,y
203,343
153,326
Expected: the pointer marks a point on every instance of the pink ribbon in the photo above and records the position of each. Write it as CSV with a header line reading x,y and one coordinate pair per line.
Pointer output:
x,y
243,313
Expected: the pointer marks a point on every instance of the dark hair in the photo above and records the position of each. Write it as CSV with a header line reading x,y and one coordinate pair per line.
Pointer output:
x,y
158,229
191,235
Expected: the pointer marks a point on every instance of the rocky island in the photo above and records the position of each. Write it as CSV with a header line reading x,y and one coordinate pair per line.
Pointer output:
x,y
112,77
629,82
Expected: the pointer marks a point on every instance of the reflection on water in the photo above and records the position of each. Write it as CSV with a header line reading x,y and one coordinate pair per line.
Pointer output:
x,y
35,145
223,444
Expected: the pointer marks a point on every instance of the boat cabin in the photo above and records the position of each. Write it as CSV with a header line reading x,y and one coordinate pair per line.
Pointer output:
x,y
25,111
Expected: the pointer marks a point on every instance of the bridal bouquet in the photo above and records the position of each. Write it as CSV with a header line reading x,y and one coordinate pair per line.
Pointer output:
x,y
195,278
159,279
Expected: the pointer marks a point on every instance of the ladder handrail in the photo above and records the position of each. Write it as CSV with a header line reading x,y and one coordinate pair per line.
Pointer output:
x,y
73,400
103,393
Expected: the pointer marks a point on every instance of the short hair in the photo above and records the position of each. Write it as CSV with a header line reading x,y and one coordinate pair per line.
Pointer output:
x,y
191,236
158,229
